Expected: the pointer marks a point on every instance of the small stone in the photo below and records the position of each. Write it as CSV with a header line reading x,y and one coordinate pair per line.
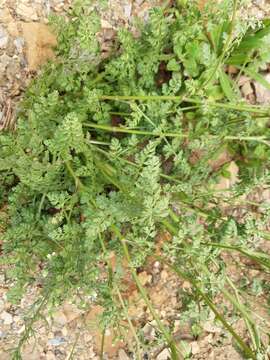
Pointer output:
x,y
145,278
5,16
3,38
19,43
127,10
149,332
2,303
50,356
195,349
242,80
12,29
232,69
64,331
164,275
186,285
210,328
57,341
7,318
105,24
108,34
27,12
262,94
21,330
60,318
2,334
88,337
122,355
164,355
247,89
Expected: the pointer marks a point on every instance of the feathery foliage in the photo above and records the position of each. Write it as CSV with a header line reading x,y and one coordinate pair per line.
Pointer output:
x,y
109,151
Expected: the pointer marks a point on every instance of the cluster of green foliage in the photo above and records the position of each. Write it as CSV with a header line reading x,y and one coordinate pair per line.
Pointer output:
x,y
100,161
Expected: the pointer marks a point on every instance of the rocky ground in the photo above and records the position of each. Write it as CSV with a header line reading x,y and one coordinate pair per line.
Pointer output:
x,y
25,43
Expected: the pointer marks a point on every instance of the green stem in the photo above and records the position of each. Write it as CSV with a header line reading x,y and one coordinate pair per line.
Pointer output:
x,y
212,306
117,129
129,321
261,139
78,183
225,48
238,107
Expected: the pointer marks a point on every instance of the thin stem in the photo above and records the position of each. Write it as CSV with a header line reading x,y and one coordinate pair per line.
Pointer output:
x,y
129,321
239,107
78,183
212,306
225,48
116,129
102,344
260,139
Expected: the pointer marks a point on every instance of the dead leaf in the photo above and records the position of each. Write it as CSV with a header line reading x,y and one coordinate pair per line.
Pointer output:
x,y
110,347
40,42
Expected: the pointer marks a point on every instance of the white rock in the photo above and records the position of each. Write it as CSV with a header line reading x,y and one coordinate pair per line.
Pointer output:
x,y
195,349
211,328
3,38
60,318
7,318
105,24
19,43
27,12
58,340
247,89
21,330
262,94
242,80
122,355
164,355
50,356
149,332
127,10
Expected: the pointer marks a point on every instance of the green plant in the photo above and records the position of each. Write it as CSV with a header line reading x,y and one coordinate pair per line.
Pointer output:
x,y
102,160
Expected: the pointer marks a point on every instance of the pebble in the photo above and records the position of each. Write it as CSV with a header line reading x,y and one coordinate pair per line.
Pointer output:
x,y
262,94
210,328
164,355
27,12
57,341
195,348
7,318
149,332
19,43
247,89
3,38
127,10
122,355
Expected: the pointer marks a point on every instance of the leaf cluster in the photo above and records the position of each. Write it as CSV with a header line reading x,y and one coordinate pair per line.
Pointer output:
x,y
128,142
